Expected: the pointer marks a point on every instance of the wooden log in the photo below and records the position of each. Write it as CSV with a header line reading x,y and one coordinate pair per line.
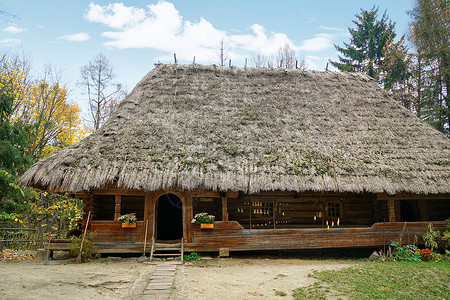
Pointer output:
x,y
117,207
391,209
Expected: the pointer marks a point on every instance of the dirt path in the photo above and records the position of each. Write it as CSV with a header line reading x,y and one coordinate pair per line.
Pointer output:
x,y
122,279
218,278
230,278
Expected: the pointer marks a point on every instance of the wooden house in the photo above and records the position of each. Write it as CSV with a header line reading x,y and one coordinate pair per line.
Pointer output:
x,y
285,159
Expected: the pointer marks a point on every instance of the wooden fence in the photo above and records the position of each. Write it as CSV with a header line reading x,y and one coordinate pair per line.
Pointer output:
x,y
14,235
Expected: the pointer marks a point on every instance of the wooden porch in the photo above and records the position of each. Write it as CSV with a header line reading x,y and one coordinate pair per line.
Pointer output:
x,y
377,235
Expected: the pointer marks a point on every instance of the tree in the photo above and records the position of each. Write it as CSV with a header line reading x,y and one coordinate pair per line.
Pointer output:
x,y
396,72
431,37
13,142
364,53
104,94
285,58
56,121
223,54
258,60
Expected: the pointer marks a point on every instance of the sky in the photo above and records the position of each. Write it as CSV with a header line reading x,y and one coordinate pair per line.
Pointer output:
x,y
134,35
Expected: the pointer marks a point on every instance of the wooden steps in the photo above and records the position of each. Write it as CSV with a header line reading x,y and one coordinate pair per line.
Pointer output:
x,y
173,248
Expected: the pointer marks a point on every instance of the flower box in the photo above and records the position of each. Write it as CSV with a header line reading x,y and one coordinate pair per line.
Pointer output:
x,y
207,225
128,225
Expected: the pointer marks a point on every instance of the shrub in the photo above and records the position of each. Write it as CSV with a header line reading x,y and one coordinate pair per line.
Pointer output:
x,y
193,256
406,252
89,250
431,238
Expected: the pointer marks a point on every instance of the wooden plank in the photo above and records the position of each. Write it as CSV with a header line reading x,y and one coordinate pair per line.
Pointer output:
x,y
377,235
314,238
200,193
407,196
117,191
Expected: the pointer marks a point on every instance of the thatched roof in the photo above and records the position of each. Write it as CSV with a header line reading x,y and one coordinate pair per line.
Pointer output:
x,y
254,129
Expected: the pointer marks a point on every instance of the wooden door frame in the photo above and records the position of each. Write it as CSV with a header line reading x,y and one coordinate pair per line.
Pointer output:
x,y
186,202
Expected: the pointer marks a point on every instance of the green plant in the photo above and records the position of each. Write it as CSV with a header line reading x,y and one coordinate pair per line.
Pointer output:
x,y
89,250
430,238
203,218
128,218
405,252
446,234
280,293
193,256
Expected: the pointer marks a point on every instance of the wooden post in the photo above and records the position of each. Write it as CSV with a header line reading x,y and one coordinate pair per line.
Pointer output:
x,y
391,209
149,211
225,209
398,210
118,200
187,215
423,210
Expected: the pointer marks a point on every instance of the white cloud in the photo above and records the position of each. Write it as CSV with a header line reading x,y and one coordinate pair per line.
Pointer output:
x,y
76,37
13,29
115,15
318,43
332,28
10,42
161,27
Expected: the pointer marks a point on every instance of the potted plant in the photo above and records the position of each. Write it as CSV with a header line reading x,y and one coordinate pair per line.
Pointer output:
x,y
128,220
206,221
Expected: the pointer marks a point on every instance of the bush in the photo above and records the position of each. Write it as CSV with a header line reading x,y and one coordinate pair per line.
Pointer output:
x,y
89,250
431,238
406,252
193,256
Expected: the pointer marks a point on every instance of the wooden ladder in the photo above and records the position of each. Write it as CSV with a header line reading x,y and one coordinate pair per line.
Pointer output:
x,y
173,248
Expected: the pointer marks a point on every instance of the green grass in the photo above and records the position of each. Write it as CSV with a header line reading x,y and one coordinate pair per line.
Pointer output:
x,y
280,293
382,280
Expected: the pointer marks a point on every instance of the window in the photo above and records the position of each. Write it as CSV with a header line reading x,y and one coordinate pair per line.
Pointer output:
x,y
334,210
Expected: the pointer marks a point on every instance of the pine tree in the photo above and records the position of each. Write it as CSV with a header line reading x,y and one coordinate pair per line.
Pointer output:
x,y
364,53
397,69
431,36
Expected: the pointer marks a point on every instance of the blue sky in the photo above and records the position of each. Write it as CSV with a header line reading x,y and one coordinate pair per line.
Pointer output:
x,y
133,35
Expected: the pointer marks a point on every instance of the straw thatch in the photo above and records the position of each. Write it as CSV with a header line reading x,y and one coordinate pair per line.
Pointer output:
x,y
207,127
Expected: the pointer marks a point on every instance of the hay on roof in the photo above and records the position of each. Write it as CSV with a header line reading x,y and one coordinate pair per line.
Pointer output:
x,y
251,130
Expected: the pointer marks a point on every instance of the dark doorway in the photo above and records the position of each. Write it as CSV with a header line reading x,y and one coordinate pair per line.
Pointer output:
x,y
170,218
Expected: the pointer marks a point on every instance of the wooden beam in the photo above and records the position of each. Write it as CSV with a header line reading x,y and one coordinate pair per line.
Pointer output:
x,y
224,209
231,194
391,209
423,209
118,201
406,196
198,193
116,191
149,211
398,210
187,216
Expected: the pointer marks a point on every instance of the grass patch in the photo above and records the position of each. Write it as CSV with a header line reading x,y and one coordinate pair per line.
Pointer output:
x,y
382,280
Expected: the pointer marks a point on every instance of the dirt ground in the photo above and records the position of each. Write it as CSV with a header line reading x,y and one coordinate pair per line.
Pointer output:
x,y
111,278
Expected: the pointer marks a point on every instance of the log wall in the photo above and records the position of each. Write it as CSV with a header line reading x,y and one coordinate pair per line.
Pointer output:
x,y
269,220
377,235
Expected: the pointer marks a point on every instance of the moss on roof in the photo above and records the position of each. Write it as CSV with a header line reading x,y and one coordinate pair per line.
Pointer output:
x,y
251,130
